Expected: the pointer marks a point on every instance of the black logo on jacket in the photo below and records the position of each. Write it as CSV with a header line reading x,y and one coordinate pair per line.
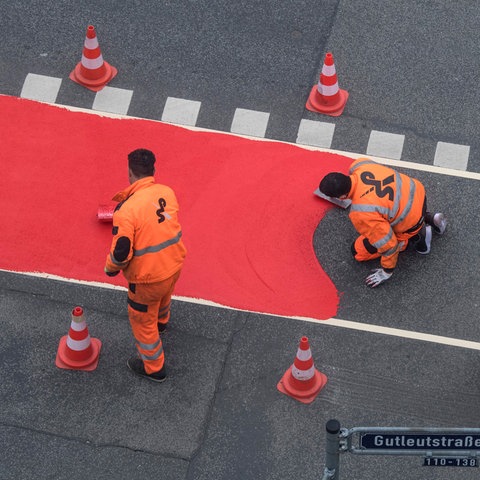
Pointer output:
x,y
161,217
380,186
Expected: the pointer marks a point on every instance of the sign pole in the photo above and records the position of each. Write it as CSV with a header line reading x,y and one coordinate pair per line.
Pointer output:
x,y
332,456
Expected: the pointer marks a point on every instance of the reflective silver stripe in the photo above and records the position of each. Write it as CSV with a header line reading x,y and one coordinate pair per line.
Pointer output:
x,y
116,262
391,251
152,357
304,355
91,43
396,201
163,312
327,90
78,326
303,374
367,161
166,308
408,206
369,208
149,346
92,63
328,70
78,345
160,246
383,241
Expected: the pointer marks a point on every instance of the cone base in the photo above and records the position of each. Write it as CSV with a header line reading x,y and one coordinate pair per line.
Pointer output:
x,y
336,109
305,396
88,365
93,84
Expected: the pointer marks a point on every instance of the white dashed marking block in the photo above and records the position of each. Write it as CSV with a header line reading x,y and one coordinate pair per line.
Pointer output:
x,y
317,134
387,145
250,122
113,100
181,111
451,155
41,88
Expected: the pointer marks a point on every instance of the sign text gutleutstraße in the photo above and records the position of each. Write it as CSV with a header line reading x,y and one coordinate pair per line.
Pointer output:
x,y
380,441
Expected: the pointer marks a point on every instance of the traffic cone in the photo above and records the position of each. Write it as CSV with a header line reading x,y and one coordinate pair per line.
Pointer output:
x,y
302,381
92,71
77,351
326,97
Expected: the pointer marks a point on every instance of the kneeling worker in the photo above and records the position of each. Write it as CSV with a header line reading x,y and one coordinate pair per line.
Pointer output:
x,y
147,246
388,210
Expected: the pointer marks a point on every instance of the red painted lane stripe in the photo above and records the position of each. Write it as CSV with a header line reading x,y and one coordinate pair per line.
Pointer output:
x,y
247,209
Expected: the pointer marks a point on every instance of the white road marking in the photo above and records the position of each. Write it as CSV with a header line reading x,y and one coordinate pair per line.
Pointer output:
x,y
383,144
451,155
180,111
113,100
335,322
317,134
41,88
250,122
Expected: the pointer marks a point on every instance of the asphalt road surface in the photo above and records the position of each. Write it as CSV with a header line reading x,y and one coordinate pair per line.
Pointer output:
x,y
410,71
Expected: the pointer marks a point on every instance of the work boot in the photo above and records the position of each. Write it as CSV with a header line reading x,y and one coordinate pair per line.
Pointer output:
x,y
423,240
437,221
135,364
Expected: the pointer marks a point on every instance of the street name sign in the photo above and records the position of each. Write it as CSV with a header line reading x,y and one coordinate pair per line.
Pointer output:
x,y
423,442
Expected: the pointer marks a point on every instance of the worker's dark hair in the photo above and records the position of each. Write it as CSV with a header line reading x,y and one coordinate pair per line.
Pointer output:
x,y
335,184
141,162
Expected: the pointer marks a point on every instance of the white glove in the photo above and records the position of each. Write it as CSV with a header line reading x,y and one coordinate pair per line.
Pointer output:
x,y
377,277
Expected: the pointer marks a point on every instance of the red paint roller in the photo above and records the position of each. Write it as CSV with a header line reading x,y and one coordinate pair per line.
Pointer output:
x,y
105,212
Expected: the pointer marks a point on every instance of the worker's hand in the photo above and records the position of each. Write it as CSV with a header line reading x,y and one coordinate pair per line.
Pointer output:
x,y
111,274
377,277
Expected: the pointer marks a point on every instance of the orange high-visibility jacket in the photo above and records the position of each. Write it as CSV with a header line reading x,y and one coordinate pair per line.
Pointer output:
x,y
385,205
147,243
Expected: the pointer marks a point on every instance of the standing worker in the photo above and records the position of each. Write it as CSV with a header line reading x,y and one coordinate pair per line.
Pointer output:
x,y
388,210
148,248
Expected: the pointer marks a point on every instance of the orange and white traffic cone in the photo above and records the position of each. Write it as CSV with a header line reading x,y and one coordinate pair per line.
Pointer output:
x,y
326,97
77,351
92,71
302,381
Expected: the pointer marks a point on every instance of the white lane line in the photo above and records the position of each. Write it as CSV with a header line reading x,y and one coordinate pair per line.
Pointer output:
x,y
249,122
452,155
335,322
317,134
396,332
364,327
383,144
41,87
403,164
181,111
386,161
113,100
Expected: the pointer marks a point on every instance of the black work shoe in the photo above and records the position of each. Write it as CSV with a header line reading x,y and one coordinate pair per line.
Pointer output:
x,y
135,364
162,327
437,221
422,245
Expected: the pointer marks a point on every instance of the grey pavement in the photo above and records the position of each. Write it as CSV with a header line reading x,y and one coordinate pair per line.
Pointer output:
x,y
219,414
410,70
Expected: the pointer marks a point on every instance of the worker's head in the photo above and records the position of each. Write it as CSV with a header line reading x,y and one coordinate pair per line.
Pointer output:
x,y
140,164
336,185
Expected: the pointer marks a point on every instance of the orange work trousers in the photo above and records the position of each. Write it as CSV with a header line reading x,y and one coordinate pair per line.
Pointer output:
x,y
149,305
363,250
